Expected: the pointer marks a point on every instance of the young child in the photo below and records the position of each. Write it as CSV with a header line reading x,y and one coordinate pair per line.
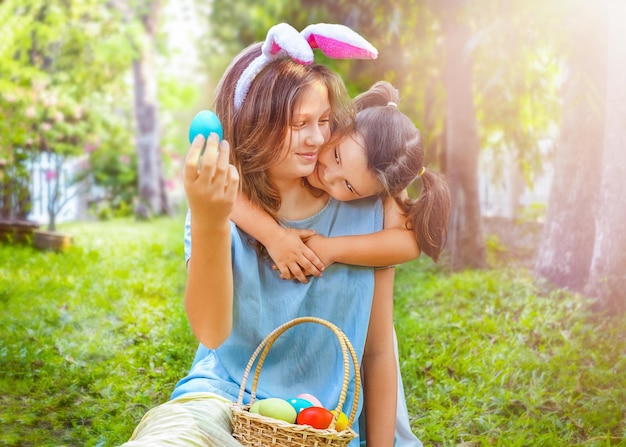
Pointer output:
x,y
381,157
276,124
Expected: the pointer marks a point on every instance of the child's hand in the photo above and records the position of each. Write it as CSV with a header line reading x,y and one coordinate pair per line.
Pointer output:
x,y
292,257
210,181
323,247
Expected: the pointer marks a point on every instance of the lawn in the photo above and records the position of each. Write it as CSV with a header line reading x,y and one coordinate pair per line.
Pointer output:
x,y
95,336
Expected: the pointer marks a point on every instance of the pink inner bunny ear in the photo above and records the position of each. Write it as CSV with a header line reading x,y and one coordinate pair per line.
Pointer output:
x,y
338,42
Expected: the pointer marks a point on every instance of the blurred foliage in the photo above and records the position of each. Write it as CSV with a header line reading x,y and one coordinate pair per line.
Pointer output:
x,y
517,47
61,76
80,51
112,165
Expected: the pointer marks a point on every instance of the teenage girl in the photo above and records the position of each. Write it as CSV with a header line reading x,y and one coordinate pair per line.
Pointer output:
x,y
233,298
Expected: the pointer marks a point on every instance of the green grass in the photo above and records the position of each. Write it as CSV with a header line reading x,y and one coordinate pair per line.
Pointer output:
x,y
490,360
95,336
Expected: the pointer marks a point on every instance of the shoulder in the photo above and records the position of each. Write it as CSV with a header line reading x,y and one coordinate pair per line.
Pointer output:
x,y
395,217
366,213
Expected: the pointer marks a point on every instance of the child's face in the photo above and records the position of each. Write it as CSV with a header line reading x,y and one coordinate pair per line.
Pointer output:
x,y
342,171
309,131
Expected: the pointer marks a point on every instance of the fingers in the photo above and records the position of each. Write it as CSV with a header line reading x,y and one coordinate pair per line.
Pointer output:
x,y
209,156
212,145
284,272
221,159
232,183
311,269
193,158
311,263
305,234
207,168
225,172
296,272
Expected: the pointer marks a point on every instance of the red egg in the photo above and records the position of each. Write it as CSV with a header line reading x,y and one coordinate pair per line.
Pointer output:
x,y
316,417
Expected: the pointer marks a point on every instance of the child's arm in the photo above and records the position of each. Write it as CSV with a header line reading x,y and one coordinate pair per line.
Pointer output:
x,y
285,246
393,245
379,368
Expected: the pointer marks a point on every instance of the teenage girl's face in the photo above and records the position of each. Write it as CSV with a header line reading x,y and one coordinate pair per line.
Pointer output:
x,y
310,129
342,171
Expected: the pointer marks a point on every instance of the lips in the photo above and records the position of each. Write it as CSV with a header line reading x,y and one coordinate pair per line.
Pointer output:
x,y
309,156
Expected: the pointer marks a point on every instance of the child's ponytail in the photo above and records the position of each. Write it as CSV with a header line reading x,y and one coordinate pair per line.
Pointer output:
x,y
428,215
395,153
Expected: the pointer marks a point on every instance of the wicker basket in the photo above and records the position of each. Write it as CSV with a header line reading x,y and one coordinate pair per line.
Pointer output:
x,y
252,429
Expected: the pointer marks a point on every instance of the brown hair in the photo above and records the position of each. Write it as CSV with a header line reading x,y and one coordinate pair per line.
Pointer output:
x,y
257,130
395,154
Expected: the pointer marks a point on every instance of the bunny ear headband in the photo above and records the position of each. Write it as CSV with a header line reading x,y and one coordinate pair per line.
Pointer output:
x,y
334,40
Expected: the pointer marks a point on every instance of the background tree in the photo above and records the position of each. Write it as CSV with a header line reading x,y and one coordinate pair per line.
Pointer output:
x,y
566,249
462,144
607,280
142,21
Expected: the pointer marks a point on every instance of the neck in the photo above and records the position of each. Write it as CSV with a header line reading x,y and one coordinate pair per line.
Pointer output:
x,y
298,201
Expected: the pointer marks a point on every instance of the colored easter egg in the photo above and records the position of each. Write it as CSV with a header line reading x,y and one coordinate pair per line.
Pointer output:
x,y
311,398
316,417
299,404
276,408
205,122
342,422
254,408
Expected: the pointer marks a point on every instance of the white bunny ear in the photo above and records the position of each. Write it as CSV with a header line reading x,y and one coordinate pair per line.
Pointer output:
x,y
334,40
283,39
338,41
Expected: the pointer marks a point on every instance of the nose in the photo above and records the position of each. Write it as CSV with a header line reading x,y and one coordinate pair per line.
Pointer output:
x,y
330,174
316,136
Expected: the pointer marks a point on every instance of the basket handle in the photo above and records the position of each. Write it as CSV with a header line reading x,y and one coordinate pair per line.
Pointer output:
x,y
346,347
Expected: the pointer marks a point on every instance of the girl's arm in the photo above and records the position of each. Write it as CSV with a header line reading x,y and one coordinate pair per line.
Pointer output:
x,y
393,245
211,190
285,246
379,368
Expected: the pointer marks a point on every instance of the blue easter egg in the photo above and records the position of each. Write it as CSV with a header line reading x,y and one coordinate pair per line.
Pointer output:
x,y
205,122
299,404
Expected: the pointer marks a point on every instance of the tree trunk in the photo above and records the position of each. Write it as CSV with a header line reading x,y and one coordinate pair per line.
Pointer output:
x,y
607,278
564,254
152,196
465,235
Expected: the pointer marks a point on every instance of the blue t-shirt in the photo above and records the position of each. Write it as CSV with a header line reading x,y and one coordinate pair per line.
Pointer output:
x,y
306,358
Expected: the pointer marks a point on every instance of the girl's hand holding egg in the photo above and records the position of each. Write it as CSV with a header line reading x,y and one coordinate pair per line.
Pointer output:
x,y
210,181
